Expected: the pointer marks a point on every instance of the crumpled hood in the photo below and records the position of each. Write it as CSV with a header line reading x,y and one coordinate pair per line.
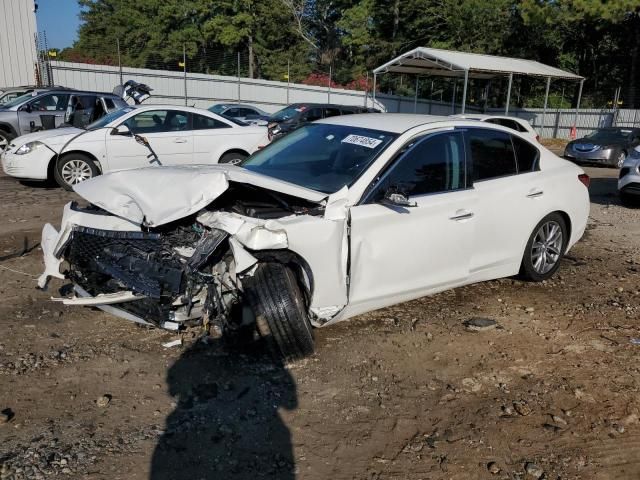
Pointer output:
x,y
54,139
155,196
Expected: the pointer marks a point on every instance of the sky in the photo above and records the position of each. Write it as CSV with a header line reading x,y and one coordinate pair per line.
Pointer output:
x,y
59,19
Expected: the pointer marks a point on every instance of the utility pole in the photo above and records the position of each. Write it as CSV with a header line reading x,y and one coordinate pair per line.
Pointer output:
x,y
184,70
238,77
119,59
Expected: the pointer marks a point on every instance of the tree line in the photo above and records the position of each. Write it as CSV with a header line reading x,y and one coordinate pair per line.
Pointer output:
x,y
305,39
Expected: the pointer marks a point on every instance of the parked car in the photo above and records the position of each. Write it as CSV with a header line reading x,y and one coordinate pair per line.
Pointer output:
x,y
241,111
178,135
49,108
340,217
629,178
298,114
605,146
9,93
514,123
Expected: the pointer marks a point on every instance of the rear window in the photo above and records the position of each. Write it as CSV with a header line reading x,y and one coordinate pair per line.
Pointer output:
x,y
492,154
527,155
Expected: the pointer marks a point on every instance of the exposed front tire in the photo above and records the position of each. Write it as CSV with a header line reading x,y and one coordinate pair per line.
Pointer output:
x,y
545,248
234,158
74,168
278,304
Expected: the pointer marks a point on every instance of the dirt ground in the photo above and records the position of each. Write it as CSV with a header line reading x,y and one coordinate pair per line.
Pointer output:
x,y
402,393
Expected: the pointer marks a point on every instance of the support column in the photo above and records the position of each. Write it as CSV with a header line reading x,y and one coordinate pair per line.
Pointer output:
x,y
415,97
453,97
375,77
575,118
464,90
506,107
544,109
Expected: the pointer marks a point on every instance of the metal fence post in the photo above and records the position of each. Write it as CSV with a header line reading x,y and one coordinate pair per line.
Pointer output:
x,y
575,118
238,77
288,80
415,97
119,60
329,91
544,109
464,90
366,90
184,69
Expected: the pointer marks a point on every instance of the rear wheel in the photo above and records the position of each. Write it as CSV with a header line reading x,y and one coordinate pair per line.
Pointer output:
x,y
545,248
279,309
234,158
74,168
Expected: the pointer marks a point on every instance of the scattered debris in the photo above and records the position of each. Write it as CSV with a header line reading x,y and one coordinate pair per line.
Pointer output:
x,y
534,470
6,416
480,324
493,468
634,341
522,407
173,343
104,400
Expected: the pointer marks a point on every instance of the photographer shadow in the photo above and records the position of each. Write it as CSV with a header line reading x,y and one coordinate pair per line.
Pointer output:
x,y
226,423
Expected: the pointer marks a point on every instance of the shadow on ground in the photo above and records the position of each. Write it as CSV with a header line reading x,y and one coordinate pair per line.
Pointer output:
x,y
226,422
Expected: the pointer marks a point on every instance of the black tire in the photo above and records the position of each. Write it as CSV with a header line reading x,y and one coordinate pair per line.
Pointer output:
x,y
233,158
528,270
84,162
629,200
5,140
281,318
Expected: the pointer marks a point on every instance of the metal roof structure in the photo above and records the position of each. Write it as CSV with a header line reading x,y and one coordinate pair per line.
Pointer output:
x,y
451,63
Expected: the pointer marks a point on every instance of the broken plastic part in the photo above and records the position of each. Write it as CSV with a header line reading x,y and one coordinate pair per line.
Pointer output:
x,y
101,299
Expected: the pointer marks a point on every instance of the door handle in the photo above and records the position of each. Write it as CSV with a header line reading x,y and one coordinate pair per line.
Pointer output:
x,y
462,215
535,193
180,140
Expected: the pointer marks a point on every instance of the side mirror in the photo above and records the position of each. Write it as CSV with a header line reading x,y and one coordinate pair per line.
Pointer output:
x,y
394,198
121,130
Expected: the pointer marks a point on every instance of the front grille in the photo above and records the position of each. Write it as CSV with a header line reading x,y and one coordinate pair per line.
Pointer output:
x,y
110,260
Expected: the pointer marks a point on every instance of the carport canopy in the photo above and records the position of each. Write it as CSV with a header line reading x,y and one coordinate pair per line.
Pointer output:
x,y
451,63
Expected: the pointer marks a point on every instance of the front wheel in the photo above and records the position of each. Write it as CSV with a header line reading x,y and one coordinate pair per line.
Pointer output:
x,y
545,248
279,308
5,140
73,169
620,158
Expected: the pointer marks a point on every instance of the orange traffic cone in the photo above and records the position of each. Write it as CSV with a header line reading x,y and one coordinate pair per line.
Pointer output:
x,y
574,133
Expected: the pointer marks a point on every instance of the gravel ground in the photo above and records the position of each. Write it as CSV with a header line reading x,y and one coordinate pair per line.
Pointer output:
x,y
550,391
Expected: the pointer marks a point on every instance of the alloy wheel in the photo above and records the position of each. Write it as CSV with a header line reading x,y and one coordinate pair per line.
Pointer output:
x,y
546,247
620,160
75,171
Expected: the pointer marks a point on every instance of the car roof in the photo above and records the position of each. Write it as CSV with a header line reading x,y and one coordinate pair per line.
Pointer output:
x,y
389,122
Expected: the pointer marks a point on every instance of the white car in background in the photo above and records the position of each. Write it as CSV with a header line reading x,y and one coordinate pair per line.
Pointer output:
x,y
177,135
514,123
629,178
337,218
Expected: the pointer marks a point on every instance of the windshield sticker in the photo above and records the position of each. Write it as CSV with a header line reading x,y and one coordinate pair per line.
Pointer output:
x,y
362,141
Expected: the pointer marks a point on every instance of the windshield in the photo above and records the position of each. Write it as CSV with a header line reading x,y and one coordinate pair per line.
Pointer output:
x,y
217,108
19,100
104,121
613,135
320,156
235,120
286,113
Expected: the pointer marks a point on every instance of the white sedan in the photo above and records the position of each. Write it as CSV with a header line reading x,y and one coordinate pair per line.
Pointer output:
x,y
339,217
514,123
177,135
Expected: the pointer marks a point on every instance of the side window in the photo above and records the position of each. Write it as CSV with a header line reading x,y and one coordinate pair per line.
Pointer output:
x,y
432,165
331,112
492,154
200,122
109,104
232,112
159,121
526,155
81,110
245,112
312,115
50,103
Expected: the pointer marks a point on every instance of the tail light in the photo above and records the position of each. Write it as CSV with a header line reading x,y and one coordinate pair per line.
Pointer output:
x,y
584,178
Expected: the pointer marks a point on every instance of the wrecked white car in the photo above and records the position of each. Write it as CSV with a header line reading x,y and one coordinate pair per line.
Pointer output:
x,y
338,218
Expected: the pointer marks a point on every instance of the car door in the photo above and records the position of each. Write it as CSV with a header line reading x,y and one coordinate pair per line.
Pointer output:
x,y
507,203
211,138
49,108
399,253
168,132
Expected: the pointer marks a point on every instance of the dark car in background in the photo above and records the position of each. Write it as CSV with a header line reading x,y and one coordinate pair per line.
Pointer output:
x,y
298,114
606,146
241,111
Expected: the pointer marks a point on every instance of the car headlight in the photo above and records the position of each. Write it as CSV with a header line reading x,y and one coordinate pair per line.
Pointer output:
x,y
28,148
